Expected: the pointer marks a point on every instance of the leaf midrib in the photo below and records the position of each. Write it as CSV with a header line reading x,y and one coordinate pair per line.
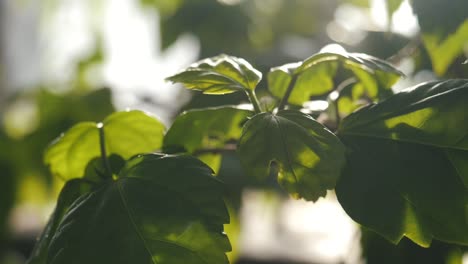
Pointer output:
x,y
135,227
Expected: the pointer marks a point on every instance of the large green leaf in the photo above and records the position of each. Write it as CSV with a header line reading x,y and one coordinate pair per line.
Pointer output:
x,y
161,209
126,134
315,75
444,28
308,156
406,173
204,132
72,190
219,75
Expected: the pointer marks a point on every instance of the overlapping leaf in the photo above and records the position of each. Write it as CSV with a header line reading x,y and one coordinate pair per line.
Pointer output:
x,y
161,209
126,134
309,157
406,173
204,132
219,75
315,75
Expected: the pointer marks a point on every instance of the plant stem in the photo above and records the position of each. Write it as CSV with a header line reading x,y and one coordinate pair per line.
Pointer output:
x,y
286,95
227,148
334,101
102,144
253,99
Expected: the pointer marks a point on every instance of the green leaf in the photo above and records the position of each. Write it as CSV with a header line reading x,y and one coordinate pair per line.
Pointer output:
x,y
444,51
308,156
72,190
126,134
219,75
161,209
444,28
406,173
316,81
204,132
315,75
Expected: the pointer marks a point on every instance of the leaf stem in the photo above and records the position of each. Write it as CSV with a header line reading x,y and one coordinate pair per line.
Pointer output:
x,y
253,99
337,93
102,144
286,95
227,148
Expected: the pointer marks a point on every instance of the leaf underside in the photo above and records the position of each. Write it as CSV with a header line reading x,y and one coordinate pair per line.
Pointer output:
x,y
315,75
221,74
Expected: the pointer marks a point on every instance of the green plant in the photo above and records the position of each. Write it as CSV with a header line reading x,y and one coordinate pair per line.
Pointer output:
x,y
398,163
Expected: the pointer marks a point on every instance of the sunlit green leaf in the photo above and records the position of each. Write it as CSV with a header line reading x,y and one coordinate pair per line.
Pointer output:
x,y
406,173
315,75
316,81
444,51
444,28
219,75
309,157
161,209
204,132
126,133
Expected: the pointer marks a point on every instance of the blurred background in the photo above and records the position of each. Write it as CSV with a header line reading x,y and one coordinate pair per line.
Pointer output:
x,y
66,61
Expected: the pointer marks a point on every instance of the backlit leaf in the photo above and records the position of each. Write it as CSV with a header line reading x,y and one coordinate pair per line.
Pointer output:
x,y
127,133
444,28
406,173
160,209
309,157
219,75
199,131
315,75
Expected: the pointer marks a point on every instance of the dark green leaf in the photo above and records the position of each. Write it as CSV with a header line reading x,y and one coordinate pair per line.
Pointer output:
x,y
161,209
72,190
205,132
309,157
126,133
219,75
406,173
315,75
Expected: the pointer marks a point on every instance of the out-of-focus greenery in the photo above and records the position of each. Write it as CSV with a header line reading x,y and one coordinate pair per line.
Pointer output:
x,y
266,32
